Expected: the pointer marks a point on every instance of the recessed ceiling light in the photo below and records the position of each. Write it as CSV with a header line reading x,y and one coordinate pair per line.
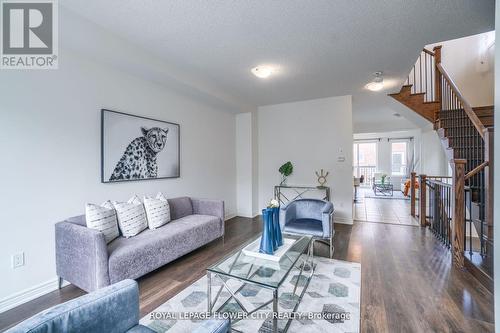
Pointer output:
x,y
263,71
377,82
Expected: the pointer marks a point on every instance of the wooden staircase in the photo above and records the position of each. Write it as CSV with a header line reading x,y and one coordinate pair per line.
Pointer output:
x,y
416,102
466,135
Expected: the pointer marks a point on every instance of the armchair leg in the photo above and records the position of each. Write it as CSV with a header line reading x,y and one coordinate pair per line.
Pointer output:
x,y
59,282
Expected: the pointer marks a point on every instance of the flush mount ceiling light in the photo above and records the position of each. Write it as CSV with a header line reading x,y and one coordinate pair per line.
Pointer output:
x,y
377,82
263,71
397,115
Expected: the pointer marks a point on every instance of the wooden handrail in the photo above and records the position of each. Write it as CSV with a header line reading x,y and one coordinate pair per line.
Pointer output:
x,y
476,170
438,176
468,109
429,52
432,181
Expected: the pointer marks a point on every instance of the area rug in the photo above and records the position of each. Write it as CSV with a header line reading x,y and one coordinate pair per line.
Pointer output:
x,y
331,302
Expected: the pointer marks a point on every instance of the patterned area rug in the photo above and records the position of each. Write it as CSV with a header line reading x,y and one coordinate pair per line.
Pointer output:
x,y
331,302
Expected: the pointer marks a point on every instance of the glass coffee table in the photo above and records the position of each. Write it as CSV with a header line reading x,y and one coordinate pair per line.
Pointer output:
x,y
383,189
231,278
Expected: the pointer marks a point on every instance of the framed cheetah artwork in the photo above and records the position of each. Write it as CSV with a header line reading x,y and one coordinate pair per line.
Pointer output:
x,y
138,148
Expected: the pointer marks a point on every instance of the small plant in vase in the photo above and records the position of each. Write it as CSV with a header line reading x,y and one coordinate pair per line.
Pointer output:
x,y
285,170
273,204
382,178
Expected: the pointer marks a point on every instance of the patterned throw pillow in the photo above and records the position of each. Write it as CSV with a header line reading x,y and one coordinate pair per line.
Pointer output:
x,y
131,216
102,218
157,211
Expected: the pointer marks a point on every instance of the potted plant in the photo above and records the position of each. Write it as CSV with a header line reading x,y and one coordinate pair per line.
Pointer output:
x,y
285,170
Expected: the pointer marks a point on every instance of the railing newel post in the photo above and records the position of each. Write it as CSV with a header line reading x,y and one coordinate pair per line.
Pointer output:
x,y
437,78
412,193
423,201
458,219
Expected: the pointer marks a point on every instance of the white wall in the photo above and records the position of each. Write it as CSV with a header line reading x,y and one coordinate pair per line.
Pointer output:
x,y
434,161
255,163
496,230
244,164
462,58
312,135
50,143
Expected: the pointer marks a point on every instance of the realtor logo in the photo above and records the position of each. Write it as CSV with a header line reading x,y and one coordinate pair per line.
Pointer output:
x,y
29,34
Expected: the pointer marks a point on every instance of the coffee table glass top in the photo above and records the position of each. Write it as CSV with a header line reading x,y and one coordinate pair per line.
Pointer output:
x,y
260,271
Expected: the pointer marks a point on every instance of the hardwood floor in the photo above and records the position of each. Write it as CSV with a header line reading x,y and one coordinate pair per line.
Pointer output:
x,y
407,284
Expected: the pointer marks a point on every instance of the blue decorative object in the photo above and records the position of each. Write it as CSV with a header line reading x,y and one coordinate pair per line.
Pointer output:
x,y
266,240
278,237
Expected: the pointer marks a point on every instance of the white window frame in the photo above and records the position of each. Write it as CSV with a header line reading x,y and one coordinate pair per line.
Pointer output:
x,y
404,160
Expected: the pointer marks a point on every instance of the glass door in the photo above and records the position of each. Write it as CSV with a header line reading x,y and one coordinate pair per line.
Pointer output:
x,y
365,161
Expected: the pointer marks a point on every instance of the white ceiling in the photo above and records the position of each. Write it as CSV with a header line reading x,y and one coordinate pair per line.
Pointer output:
x,y
324,47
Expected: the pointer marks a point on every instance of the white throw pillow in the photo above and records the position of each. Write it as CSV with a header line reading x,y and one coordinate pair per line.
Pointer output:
x,y
157,211
131,216
102,218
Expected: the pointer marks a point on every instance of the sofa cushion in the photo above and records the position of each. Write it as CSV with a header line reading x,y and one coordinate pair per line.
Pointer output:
x,y
136,256
305,226
102,218
131,216
157,211
180,207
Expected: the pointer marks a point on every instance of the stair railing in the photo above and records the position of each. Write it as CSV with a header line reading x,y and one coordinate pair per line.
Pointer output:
x,y
422,76
472,145
428,198
440,212
452,100
472,163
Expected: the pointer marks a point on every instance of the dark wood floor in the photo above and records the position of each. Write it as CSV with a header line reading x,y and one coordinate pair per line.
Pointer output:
x,y
408,284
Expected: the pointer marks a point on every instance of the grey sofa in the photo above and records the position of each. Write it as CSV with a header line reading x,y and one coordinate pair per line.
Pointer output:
x,y
84,259
114,309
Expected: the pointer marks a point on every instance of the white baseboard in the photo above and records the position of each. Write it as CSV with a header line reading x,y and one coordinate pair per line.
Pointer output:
x,y
250,216
342,220
229,216
29,294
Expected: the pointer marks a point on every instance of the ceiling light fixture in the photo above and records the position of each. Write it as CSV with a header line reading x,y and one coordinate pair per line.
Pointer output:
x,y
263,71
377,82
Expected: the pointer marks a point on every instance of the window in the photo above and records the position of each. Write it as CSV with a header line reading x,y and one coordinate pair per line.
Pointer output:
x,y
365,160
399,154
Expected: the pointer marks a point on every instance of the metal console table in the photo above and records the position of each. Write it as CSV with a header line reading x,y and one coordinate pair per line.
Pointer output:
x,y
298,192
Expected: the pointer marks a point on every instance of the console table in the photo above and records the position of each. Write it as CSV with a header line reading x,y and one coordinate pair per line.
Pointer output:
x,y
298,192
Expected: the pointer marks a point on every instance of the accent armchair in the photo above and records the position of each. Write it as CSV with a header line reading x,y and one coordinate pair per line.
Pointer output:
x,y
114,309
309,217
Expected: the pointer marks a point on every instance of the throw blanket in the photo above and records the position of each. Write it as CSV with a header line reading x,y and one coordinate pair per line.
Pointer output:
x,y
407,187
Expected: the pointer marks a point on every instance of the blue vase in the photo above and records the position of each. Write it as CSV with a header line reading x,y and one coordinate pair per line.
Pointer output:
x,y
266,241
278,237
